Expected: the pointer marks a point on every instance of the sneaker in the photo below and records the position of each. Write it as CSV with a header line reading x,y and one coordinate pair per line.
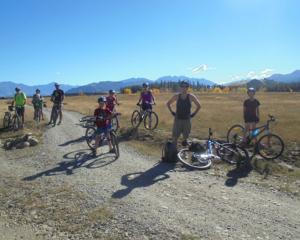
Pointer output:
x,y
59,123
49,123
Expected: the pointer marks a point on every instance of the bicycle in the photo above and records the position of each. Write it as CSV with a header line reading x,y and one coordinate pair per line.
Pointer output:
x,y
12,120
149,117
90,135
199,157
88,121
269,146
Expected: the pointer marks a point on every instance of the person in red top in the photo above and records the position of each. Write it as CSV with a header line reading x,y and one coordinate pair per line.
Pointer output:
x,y
251,112
103,116
111,100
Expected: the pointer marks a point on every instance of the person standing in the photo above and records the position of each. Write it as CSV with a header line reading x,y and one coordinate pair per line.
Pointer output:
x,y
183,115
57,98
19,101
37,102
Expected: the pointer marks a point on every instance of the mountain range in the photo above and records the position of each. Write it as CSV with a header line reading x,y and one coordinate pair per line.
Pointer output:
x,y
7,89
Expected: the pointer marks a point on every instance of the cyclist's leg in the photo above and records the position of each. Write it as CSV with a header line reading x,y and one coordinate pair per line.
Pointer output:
x,y
186,130
107,134
51,115
252,127
246,131
176,131
60,113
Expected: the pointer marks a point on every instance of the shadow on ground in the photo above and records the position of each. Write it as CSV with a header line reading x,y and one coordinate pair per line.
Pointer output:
x,y
237,173
74,160
143,179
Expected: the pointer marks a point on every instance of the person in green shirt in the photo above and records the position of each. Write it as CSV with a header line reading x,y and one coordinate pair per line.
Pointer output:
x,y
19,102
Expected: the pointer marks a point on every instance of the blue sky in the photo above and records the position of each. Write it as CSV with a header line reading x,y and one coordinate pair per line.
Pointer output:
x,y
83,41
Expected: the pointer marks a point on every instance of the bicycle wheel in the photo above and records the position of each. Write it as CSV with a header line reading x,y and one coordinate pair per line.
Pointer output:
x,y
232,153
235,134
6,121
150,120
16,123
270,146
136,118
115,144
90,135
115,123
194,160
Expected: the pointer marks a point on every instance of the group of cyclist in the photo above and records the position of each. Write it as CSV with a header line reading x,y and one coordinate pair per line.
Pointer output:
x,y
20,100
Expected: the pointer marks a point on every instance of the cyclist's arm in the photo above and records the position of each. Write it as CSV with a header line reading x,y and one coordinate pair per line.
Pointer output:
x,y
62,96
170,102
116,101
140,99
257,112
25,98
195,100
153,99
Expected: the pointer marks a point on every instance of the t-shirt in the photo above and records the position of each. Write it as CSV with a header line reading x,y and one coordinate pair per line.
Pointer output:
x,y
250,107
110,102
104,114
146,97
58,96
20,99
37,101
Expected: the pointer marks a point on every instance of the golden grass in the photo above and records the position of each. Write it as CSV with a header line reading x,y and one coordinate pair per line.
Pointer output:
x,y
219,112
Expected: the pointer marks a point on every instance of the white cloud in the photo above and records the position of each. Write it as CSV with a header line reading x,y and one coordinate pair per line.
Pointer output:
x,y
201,68
254,75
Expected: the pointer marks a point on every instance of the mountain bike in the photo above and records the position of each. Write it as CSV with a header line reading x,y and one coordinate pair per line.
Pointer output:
x,y
90,135
149,117
269,146
199,157
88,121
12,120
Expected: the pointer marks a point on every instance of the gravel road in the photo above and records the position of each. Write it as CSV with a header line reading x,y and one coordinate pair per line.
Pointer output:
x,y
144,198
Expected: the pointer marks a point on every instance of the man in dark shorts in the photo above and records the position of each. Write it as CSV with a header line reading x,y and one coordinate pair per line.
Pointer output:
x,y
57,98
183,115
19,102
251,112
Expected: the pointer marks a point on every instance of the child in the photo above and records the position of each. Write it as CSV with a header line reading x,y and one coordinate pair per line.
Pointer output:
x,y
111,100
37,102
251,112
103,116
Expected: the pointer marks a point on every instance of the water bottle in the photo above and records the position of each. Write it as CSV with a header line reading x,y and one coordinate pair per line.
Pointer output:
x,y
255,132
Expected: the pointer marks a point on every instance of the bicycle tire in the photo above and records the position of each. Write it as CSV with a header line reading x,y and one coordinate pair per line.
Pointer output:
x,y
16,123
6,121
185,156
90,134
261,146
115,143
136,118
232,154
235,134
153,124
115,123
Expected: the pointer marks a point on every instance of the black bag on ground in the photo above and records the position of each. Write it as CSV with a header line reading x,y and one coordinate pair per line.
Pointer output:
x,y
169,152
196,147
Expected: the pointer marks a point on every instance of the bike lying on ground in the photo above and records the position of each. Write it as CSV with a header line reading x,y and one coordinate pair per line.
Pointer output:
x,y
198,157
269,145
90,135
12,120
149,117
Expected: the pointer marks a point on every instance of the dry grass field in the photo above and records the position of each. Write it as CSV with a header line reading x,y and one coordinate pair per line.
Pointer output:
x,y
219,112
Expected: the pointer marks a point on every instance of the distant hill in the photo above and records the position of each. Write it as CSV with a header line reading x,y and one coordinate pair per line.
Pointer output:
x,y
7,89
105,86
286,78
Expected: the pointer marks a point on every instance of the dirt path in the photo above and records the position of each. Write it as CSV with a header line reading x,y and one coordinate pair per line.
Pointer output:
x,y
136,197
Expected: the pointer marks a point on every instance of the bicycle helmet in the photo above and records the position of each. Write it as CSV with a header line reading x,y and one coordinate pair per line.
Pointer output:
x,y
56,85
38,90
184,84
101,99
251,89
17,89
146,84
112,91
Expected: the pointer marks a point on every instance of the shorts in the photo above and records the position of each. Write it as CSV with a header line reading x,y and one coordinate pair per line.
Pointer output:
x,y
146,106
20,110
101,130
251,119
181,126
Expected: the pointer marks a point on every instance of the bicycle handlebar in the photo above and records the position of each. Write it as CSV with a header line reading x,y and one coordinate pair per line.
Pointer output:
x,y
271,118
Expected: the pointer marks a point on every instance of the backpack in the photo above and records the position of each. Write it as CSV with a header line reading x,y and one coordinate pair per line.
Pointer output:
x,y
169,152
196,147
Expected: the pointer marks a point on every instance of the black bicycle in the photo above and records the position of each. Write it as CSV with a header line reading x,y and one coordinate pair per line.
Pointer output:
x,y
201,157
91,133
269,146
12,119
149,117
